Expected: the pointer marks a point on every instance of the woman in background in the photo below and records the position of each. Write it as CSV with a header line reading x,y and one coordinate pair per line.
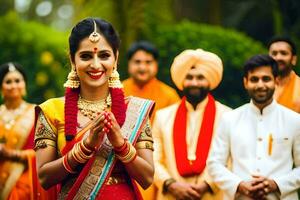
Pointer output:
x,y
17,163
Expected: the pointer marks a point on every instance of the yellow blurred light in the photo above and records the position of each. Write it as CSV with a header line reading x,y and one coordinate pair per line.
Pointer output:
x,y
41,78
46,58
49,94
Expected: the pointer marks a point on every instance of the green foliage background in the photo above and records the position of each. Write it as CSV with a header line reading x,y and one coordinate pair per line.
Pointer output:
x,y
40,50
43,53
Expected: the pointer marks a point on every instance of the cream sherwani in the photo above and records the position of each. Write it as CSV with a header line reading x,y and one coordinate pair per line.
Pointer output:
x,y
244,135
164,158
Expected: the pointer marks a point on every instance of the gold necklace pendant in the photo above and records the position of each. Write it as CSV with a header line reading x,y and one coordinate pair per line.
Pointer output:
x,y
92,109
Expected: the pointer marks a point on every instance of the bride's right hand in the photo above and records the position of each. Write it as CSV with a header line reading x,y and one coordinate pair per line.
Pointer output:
x,y
97,132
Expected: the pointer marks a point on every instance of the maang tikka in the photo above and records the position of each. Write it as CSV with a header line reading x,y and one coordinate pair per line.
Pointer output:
x,y
94,36
11,67
73,79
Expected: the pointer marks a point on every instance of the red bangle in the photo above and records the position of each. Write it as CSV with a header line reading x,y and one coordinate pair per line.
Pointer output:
x,y
132,159
125,151
121,148
67,166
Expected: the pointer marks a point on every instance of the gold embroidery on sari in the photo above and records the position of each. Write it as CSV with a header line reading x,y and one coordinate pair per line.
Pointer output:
x,y
44,135
43,143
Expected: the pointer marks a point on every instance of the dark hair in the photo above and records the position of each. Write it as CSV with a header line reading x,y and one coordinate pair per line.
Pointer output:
x,y
85,27
4,69
145,46
259,61
283,39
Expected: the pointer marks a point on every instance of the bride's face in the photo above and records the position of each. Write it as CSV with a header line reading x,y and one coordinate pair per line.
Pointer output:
x,y
94,62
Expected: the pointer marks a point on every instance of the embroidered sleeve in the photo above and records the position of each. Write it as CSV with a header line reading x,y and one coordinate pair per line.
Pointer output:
x,y
44,135
145,140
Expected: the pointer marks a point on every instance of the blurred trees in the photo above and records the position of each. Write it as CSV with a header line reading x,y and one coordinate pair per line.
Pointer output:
x,y
159,21
233,47
40,50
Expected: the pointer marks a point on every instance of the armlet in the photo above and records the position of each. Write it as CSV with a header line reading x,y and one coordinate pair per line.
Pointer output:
x,y
145,140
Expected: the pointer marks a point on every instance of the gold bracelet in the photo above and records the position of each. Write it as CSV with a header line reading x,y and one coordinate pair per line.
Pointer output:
x,y
85,148
130,156
81,153
76,158
67,166
79,156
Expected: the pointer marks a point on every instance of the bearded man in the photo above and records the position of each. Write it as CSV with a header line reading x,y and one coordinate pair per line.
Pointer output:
x,y
183,131
287,92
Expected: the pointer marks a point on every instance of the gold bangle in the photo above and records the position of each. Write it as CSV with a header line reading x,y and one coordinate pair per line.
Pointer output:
x,y
78,155
76,158
81,153
130,156
84,147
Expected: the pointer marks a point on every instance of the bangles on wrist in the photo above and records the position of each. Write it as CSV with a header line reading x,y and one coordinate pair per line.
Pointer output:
x,y
80,153
126,153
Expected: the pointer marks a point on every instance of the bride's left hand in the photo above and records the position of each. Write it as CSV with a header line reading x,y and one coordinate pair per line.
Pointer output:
x,y
114,133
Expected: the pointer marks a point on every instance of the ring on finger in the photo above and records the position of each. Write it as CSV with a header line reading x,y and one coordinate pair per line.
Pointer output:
x,y
266,190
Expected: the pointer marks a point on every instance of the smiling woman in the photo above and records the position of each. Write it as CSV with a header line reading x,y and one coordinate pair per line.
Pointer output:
x,y
17,165
93,140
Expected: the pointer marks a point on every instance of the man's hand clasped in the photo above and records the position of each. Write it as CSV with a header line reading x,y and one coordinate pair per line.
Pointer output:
x,y
258,188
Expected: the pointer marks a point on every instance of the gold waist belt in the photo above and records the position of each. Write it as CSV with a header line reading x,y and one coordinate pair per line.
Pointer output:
x,y
115,179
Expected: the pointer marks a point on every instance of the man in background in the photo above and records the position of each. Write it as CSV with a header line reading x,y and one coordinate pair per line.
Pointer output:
x,y
287,92
262,139
183,132
142,68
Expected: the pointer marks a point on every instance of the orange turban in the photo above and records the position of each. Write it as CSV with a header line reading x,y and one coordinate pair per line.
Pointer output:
x,y
210,64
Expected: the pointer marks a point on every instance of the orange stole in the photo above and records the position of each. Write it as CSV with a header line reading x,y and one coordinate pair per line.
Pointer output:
x,y
290,94
155,90
28,185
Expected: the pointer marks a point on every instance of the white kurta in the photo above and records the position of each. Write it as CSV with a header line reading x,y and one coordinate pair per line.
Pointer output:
x,y
243,135
164,158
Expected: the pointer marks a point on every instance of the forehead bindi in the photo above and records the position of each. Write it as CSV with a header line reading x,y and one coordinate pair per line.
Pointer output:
x,y
95,49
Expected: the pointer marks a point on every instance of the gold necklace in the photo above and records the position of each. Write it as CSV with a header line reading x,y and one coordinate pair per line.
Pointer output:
x,y
9,116
92,109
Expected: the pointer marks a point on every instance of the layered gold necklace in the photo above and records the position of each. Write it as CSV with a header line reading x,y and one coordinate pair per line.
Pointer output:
x,y
92,109
10,116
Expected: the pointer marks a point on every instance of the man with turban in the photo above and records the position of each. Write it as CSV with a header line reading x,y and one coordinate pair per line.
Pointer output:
x,y
183,131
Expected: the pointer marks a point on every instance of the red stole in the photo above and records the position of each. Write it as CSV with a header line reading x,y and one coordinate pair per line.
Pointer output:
x,y
184,166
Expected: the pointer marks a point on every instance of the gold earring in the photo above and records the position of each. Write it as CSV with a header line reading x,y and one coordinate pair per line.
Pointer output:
x,y
73,79
114,80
